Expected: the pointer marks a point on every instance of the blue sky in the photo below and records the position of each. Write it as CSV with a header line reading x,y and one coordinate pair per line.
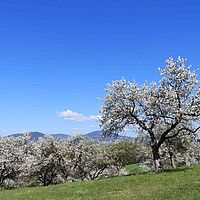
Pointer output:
x,y
59,55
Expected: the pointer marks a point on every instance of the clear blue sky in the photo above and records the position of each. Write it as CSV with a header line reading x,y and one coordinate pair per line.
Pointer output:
x,y
58,55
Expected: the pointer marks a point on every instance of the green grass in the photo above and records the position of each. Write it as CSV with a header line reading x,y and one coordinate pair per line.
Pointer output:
x,y
180,184
130,168
135,169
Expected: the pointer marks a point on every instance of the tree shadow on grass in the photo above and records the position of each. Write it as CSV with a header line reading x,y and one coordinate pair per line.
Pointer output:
x,y
178,169
152,172
170,170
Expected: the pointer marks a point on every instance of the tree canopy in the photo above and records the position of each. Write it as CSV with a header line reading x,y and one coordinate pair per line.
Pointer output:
x,y
163,110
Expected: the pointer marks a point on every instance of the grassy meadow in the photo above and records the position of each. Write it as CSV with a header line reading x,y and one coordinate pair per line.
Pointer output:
x,y
179,184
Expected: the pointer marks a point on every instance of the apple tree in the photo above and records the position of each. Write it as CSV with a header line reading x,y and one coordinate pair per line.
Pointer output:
x,y
162,110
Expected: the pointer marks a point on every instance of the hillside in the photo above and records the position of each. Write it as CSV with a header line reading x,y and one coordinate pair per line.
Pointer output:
x,y
181,184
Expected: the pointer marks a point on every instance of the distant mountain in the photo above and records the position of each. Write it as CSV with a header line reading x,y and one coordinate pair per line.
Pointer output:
x,y
98,136
37,135
34,135
95,135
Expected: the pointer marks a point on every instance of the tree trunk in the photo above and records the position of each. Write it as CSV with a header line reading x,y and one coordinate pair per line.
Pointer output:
x,y
172,162
156,159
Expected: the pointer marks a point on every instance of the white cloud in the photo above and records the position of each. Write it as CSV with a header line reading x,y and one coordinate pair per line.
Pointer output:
x,y
74,116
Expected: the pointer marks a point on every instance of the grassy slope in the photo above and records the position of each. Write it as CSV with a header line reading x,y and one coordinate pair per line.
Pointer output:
x,y
182,184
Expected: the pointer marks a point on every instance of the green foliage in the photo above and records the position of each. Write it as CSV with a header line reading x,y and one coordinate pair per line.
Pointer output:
x,y
123,152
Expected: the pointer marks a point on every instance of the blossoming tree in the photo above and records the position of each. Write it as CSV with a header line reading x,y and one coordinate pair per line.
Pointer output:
x,y
162,110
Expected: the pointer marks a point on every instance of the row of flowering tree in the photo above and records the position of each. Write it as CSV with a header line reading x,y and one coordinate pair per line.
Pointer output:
x,y
162,111
24,162
49,161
